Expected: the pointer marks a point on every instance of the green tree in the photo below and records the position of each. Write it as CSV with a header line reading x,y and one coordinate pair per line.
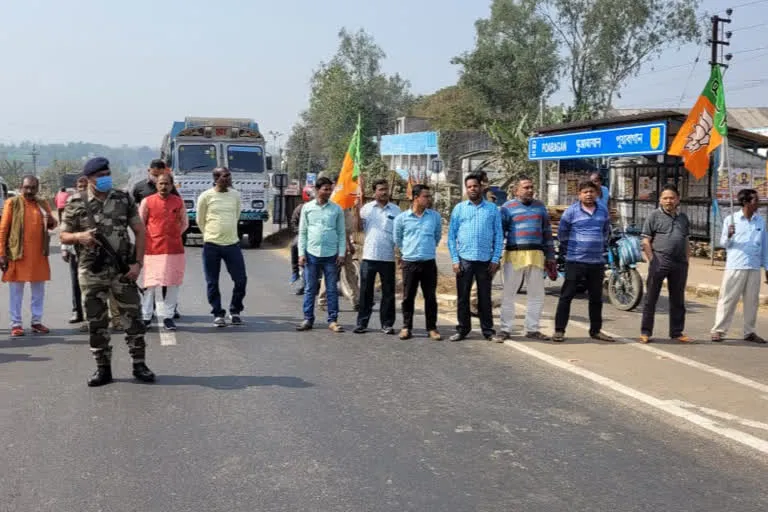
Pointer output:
x,y
50,178
607,42
353,83
452,108
12,171
515,60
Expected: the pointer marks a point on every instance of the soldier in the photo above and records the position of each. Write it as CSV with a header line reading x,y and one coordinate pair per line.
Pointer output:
x,y
111,264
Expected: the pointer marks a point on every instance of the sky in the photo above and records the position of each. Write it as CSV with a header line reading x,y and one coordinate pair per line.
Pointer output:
x,y
120,72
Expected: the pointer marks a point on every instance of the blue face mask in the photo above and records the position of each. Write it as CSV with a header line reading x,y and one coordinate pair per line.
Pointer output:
x,y
103,183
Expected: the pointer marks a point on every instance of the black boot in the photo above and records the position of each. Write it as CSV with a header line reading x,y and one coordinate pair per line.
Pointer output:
x,y
102,376
142,373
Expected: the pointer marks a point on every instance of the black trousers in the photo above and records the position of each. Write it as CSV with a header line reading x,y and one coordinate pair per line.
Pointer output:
x,y
676,274
368,271
474,271
422,273
77,300
295,257
592,275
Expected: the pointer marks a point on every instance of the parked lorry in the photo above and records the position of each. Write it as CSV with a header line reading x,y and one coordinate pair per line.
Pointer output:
x,y
197,145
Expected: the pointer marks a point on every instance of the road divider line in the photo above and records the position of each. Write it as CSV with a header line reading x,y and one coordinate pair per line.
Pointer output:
x,y
724,415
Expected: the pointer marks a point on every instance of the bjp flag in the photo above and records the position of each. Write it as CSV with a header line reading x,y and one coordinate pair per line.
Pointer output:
x,y
347,188
704,129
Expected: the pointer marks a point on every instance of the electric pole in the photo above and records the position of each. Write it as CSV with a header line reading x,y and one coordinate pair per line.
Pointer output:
x,y
34,153
542,172
716,42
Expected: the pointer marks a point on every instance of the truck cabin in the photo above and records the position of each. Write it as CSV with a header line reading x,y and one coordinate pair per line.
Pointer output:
x,y
201,146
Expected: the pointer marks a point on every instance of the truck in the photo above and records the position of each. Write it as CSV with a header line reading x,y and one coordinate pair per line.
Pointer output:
x,y
196,146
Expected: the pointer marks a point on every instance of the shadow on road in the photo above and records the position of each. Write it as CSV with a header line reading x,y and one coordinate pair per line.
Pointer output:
x,y
203,324
14,358
228,382
44,340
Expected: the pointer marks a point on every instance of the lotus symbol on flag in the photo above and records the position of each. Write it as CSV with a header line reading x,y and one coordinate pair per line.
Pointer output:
x,y
699,136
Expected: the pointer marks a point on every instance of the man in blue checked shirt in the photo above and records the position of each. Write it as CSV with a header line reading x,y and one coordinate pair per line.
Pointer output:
x,y
417,232
475,241
746,242
584,230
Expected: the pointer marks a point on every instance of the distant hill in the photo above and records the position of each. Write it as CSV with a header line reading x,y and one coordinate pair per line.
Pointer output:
x,y
126,157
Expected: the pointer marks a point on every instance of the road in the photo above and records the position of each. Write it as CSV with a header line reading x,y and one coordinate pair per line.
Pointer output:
x,y
263,418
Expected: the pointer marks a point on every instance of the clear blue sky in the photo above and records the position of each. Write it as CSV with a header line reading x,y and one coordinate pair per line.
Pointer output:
x,y
119,72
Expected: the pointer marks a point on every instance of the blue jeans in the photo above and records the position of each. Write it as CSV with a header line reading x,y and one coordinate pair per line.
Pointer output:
x,y
312,271
232,256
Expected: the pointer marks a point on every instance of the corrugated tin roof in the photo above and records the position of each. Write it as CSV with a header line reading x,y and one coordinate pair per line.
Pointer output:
x,y
747,118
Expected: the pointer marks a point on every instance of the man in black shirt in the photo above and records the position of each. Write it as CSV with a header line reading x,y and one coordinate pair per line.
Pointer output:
x,y
148,186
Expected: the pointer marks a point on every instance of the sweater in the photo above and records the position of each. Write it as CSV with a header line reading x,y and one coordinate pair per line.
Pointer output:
x,y
527,227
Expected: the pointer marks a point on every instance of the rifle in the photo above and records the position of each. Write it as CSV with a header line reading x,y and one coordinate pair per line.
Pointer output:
x,y
102,240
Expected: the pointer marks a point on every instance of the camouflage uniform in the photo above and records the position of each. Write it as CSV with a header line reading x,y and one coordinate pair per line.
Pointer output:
x,y
113,216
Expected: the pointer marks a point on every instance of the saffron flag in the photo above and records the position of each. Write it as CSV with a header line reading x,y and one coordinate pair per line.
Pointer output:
x,y
347,188
704,129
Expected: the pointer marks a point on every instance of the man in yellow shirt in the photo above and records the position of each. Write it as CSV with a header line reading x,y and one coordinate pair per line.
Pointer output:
x,y
218,212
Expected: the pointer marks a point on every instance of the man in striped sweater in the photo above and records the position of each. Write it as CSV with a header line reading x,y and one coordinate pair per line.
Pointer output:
x,y
529,251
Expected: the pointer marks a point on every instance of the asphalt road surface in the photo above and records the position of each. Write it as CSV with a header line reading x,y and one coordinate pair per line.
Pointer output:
x,y
261,418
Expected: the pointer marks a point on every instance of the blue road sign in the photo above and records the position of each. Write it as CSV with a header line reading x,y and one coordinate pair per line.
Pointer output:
x,y
644,139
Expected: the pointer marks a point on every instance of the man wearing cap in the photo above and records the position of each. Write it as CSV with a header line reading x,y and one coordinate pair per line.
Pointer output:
x,y
112,265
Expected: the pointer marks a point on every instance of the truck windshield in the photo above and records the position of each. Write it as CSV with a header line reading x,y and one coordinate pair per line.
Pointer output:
x,y
194,157
245,158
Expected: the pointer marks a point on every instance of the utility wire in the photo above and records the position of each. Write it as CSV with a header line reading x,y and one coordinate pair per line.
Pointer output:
x,y
690,75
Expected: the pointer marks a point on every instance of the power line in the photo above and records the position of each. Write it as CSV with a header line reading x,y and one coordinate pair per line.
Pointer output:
x,y
751,49
690,75
750,27
747,4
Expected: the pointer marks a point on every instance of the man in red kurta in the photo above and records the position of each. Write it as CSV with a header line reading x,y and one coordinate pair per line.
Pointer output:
x,y
165,219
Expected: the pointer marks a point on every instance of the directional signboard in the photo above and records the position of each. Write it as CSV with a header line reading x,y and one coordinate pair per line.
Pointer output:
x,y
644,139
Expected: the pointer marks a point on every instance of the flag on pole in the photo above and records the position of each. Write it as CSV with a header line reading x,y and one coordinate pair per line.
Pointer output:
x,y
347,188
704,129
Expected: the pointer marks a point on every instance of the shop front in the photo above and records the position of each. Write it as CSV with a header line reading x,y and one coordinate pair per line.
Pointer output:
x,y
630,153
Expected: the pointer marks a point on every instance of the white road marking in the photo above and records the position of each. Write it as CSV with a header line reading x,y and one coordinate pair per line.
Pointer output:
x,y
669,406
733,377
724,415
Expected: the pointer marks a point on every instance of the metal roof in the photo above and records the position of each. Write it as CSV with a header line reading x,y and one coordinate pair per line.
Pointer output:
x,y
746,118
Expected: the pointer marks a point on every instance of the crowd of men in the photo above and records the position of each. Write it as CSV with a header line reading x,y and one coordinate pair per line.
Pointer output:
x,y
517,239
111,239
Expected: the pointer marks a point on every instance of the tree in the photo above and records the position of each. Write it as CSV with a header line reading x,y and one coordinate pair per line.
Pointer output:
x,y
515,60
353,83
452,108
12,171
607,42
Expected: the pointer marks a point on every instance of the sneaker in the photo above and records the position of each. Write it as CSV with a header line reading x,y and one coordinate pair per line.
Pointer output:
x,y
17,332
169,324
389,331
558,337
360,330
537,335
220,321
76,318
40,329
335,327
501,337
754,338
176,315
405,334
457,337
235,319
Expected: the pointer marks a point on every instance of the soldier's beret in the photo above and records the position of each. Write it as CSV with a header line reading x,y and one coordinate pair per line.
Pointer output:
x,y
95,165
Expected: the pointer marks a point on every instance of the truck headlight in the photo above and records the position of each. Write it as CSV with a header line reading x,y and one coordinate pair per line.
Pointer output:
x,y
257,205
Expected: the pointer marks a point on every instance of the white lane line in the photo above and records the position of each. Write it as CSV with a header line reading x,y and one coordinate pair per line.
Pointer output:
x,y
723,415
734,377
668,406
166,337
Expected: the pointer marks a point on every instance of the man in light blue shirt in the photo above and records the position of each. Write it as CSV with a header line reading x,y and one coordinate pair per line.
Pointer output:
x,y
605,194
322,247
475,241
377,220
417,233
745,239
